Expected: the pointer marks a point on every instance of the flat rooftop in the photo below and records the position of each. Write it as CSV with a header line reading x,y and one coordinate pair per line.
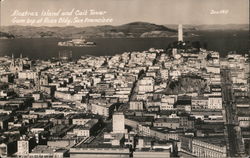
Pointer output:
x,y
219,141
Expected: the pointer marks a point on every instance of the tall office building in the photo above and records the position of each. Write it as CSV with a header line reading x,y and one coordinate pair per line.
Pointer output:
x,y
118,122
23,147
180,33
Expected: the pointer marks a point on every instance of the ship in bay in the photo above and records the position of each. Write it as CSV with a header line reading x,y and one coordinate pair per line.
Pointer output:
x,y
77,43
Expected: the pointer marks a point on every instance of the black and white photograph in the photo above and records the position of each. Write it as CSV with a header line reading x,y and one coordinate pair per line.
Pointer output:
x,y
124,78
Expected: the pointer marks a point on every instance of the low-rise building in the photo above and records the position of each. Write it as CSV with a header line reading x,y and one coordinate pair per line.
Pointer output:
x,y
88,129
214,102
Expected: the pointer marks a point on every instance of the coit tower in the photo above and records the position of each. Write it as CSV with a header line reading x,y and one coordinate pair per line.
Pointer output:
x,y
180,33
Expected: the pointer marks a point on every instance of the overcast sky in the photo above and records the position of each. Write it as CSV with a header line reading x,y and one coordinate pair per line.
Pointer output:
x,y
125,11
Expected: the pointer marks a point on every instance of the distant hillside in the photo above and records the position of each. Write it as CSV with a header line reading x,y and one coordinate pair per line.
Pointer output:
x,y
131,30
4,35
211,27
224,27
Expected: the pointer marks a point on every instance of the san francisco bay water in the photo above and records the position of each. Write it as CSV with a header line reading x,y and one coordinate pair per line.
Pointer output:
x,y
46,48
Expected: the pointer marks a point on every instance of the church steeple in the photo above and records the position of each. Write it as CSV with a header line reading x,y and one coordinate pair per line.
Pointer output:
x,y
20,63
12,64
12,60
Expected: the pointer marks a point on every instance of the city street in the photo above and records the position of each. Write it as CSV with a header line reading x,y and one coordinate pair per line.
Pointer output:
x,y
235,147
